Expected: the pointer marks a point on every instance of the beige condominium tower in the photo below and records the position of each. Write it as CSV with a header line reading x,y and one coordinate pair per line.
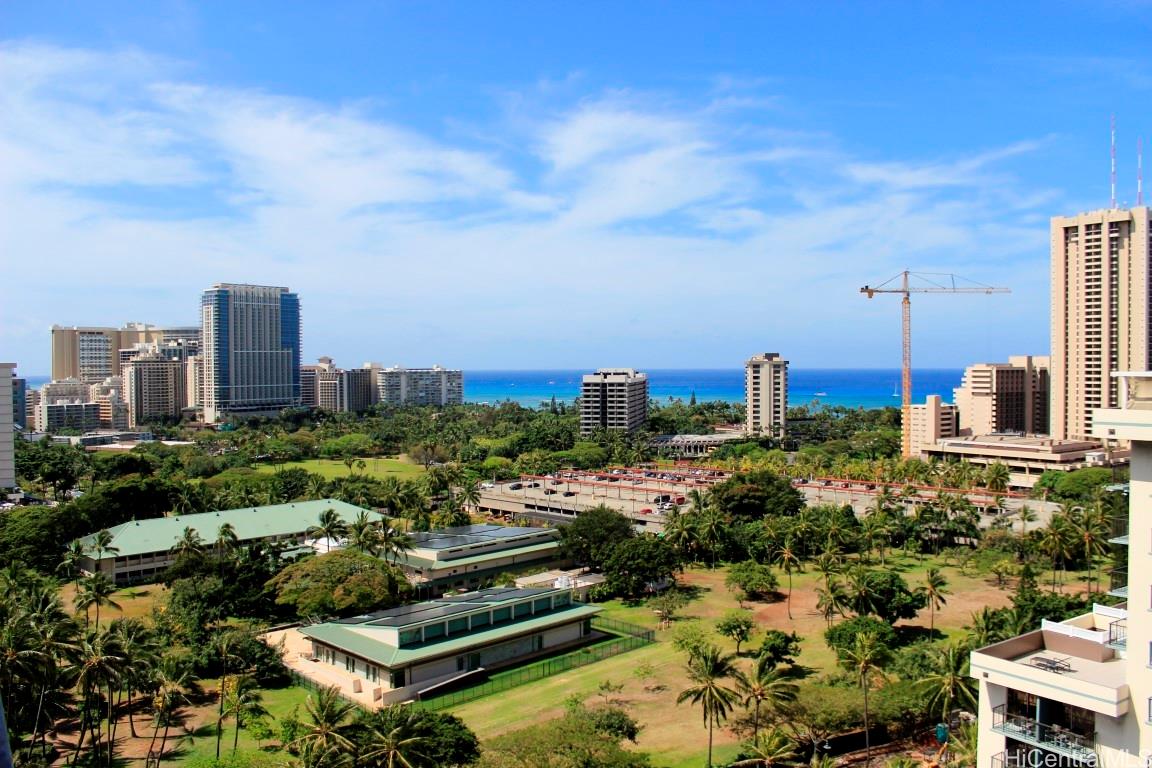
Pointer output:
x,y
1100,311
766,394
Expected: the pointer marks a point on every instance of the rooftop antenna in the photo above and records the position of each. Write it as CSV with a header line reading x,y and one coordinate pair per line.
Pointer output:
x,y
1139,171
1113,161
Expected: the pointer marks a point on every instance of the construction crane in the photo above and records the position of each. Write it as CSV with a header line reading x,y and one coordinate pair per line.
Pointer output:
x,y
931,282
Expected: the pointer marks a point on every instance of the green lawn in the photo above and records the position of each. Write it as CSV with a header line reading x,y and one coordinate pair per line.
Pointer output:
x,y
378,468
279,702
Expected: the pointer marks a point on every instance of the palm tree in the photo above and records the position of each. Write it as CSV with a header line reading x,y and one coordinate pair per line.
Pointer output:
x,y
330,526
189,544
948,684
173,678
363,536
98,665
399,747
787,559
1025,515
935,587
328,715
1091,530
773,747
706,669
102,543
141,654
244,703
73,556
764,685
996,477
393,542
865,658
96,590
832,599
226,540
711,528
1056,541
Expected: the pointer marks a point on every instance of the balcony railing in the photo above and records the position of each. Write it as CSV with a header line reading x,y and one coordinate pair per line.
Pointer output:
x,y
1051,737
1119,587
1118,633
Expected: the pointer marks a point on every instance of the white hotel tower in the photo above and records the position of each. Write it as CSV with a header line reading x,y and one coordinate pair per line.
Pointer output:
x,y
1079,692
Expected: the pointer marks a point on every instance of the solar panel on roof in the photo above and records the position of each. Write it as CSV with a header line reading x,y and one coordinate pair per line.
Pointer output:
x,y
466,529
448,542
429,611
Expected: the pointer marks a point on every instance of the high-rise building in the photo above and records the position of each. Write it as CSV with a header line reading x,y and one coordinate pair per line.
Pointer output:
x,y
19,401
613,398
931,421
7,428
250,346
156,388
92,353
194,382
1101,270
766,394
335,389
418,386
1001,398
1079,692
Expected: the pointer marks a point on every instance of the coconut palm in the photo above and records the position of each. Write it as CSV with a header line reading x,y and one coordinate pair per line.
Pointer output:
x,y
363,535
832,600
226,540
786,557
773,747
1056,541
948,685
680,532
328,716
935,587
98,666
329,526
141,654
393,542
707,669
189,544
244,703
1091,530
996,477
865,659
397,747
74,555
1025,515
95,590
764,686
173,678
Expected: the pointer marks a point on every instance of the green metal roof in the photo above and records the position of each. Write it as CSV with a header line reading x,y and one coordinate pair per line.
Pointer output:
x,y
356,640
140,537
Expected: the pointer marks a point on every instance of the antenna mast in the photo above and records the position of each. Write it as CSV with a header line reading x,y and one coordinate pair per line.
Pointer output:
x,y
1139,171
1113,161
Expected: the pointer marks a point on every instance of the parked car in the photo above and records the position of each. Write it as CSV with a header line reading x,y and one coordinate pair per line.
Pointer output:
x,y
569,493
515,486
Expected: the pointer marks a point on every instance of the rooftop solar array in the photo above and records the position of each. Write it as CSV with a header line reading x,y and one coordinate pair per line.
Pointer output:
x,y
444,607
468,535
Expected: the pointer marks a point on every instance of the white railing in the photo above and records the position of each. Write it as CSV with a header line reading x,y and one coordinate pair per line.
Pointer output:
x,y
1092,635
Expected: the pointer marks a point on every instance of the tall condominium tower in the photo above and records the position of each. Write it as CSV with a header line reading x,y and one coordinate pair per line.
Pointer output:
x,y
7,427
250,348
997,398
1100,311
766,394
613,398
92,354
156,386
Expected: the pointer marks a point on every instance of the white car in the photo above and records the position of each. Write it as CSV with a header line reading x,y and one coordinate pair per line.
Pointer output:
x,y
487,486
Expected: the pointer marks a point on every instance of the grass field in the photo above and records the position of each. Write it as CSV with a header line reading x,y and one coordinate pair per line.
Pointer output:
x,y
675,734
280,702
376,467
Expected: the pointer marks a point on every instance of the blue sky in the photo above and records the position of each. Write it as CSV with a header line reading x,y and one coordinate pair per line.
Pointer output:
x,y
549,185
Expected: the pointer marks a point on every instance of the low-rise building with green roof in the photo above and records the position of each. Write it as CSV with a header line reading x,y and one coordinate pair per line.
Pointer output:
x,y
140,550
399,653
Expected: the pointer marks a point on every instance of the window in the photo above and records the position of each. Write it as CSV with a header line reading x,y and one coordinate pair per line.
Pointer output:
x,y
349,663
481,620
543,604
456,626
408,636
433,630
501,614
396,679
523,609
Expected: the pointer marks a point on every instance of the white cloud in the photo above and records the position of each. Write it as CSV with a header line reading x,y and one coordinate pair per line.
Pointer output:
x,y
616,224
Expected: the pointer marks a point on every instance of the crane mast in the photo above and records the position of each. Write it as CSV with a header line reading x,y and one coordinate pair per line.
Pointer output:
x,y
901,284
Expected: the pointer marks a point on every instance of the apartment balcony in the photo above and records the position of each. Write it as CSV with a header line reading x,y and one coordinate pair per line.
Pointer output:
x,y
1119,582
1118,634
1053,738
1073,662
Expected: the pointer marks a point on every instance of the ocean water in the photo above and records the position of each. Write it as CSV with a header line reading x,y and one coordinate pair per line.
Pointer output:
x,y
859,388
862,388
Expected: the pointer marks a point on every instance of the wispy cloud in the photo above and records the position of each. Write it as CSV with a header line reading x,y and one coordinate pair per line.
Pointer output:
x,y
140,185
